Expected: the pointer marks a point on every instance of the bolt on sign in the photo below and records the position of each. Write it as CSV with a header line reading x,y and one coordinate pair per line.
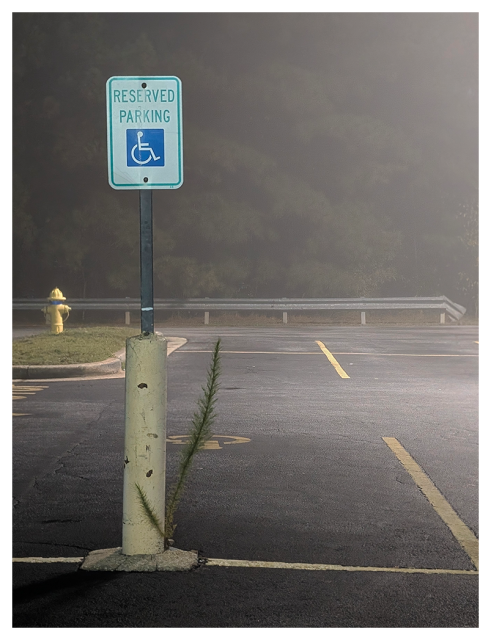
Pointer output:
x,y
144,132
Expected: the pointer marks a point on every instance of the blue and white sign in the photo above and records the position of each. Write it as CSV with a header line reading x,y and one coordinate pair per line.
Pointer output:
x,y
145,147
144,132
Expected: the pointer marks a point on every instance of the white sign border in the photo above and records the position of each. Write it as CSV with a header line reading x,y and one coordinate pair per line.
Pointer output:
x,y
110,136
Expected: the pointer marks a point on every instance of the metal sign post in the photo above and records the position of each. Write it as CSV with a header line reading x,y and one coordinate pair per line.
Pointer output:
x,y
144,145
146,261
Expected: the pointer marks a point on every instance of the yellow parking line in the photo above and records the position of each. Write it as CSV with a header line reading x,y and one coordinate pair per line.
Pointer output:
x,y
21,391
30,387
258,564
461,531
339,369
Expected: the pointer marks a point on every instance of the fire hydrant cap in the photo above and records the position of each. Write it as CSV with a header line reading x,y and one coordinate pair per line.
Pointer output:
x,y
56,294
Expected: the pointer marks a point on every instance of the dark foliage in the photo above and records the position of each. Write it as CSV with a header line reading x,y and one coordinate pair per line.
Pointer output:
x,y
324,155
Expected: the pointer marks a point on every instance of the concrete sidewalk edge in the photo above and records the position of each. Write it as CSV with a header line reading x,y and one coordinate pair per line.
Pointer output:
x,y
107,367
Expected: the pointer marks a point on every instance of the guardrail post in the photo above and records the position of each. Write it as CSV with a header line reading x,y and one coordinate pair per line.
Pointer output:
x,y
207,317
442,318
285,317
363,318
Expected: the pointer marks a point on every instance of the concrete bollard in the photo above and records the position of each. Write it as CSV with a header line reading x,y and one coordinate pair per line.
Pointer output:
x,y
285,317
127,317
363,317
442,318
207,317
145,436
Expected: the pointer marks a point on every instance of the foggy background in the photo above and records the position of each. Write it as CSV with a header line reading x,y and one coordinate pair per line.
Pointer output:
x,y
325,155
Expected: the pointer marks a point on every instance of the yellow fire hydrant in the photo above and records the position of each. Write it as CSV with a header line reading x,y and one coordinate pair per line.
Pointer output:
x,y
56,310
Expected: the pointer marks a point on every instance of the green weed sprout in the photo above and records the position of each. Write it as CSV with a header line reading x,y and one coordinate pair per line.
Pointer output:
x,y
202,422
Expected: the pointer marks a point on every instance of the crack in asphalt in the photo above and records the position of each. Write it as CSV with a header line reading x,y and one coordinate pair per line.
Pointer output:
x,y
56,521
83,439
59,463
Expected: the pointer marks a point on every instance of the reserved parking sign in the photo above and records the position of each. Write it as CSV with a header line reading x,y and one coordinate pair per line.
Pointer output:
x,y
144,132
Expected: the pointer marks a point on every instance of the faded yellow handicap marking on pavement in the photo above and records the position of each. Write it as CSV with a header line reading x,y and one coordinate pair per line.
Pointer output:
x,y
464,536
212,443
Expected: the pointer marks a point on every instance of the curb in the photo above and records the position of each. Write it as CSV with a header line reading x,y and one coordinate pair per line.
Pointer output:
x,y
39,371
107,367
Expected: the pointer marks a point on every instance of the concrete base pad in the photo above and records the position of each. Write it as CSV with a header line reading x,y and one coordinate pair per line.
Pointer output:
x,y
114,560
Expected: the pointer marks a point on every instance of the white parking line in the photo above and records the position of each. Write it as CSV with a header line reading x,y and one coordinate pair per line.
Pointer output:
x,y
38,560
260,564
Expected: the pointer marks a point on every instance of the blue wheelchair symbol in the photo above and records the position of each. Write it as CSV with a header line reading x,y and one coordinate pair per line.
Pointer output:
x,y
145,147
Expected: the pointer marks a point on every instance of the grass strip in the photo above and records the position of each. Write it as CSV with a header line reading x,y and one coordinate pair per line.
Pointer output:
x,y
73,346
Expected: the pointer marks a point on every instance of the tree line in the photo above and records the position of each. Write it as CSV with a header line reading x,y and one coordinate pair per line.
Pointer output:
x,y
325,155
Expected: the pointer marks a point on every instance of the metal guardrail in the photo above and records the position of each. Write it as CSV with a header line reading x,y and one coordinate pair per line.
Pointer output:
x,y
447,307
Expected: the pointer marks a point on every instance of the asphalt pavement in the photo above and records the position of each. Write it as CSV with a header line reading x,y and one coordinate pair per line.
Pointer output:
x,y
340,488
